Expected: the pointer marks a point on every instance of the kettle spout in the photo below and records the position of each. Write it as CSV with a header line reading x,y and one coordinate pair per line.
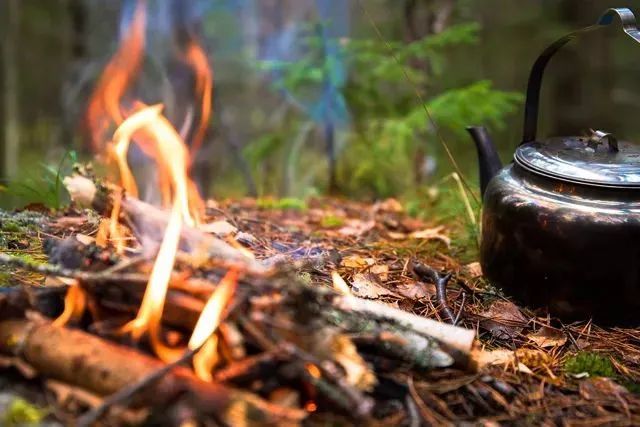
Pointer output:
x,y
488,159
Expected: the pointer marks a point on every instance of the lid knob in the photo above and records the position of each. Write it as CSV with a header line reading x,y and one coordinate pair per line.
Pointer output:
x,y
597,138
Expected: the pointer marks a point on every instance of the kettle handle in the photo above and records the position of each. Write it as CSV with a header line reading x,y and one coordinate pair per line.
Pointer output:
x,y
531,105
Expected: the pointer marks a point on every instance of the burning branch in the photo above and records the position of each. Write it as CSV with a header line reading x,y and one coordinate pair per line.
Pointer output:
x,y
104,368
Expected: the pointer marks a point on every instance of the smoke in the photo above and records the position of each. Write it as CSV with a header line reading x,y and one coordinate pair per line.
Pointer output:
x,y
310,29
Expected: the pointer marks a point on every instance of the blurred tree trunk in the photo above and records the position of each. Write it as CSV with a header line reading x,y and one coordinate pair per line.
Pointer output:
x,y
11,107
77,48
423,18
580,104
78,19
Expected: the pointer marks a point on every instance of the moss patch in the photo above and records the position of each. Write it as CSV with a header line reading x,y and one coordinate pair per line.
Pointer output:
x,y
331,221
21,413
10,227
286,203
596,365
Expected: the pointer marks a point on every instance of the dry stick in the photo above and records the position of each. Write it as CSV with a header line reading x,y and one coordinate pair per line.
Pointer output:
x,y
422,102
461,310
121,397
426,272
459,340
148,223
85,276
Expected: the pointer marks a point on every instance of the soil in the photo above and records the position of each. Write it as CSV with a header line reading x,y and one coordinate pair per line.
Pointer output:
x,y
538,370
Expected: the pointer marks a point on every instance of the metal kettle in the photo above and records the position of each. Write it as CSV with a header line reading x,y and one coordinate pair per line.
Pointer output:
x,y
561,223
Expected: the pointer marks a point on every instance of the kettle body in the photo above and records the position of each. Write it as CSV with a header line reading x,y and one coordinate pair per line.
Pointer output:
x,y
561,223
569,248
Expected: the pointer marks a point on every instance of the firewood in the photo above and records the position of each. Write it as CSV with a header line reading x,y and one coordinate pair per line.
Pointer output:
x,y
103,368
148,224
458,342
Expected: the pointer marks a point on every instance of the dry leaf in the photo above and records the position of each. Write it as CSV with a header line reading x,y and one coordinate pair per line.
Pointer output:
x,y
396,236
357,371
380,270
432,234
548,337
522,360
356,261
365,286
473,269
356,227
84,239
524,368
388,205
503,319
494,357
81,190
411,224
416,290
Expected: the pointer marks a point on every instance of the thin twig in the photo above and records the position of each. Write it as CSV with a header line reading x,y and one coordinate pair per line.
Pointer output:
x,y
56,270
460,311
426,272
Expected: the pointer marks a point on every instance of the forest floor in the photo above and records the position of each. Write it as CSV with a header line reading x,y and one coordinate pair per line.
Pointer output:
x,y
537,370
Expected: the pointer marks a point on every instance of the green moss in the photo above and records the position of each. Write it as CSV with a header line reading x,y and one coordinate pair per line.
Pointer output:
x,y
10,227
5,278
596,365
20,413
286,203
331,221
29,258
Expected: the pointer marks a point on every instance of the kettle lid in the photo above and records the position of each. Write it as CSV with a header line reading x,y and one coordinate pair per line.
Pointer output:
x,y
584,160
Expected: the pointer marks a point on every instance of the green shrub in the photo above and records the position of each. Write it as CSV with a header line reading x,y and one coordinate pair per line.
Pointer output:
x,y
387,125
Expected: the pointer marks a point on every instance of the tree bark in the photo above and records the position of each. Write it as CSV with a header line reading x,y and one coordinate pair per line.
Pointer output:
x,y
11,102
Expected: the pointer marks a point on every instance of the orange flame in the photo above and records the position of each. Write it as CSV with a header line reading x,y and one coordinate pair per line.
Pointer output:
x,y
150,313
171,156
104,105
74,303
150,130
197,60
160,142
207,324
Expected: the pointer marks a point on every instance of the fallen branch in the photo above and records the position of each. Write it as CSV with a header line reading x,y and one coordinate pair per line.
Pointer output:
x,y
104,368
457,341
425,272
148,224
128,393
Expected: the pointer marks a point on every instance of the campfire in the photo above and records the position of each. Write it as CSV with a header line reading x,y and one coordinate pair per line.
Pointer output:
x,y
161,307
210,318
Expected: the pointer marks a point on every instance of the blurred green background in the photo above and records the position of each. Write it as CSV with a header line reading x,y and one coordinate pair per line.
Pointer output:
x,y
294,76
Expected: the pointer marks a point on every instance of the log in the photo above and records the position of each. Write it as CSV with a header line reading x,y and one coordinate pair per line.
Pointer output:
x,y
103,368
148,224
459,342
